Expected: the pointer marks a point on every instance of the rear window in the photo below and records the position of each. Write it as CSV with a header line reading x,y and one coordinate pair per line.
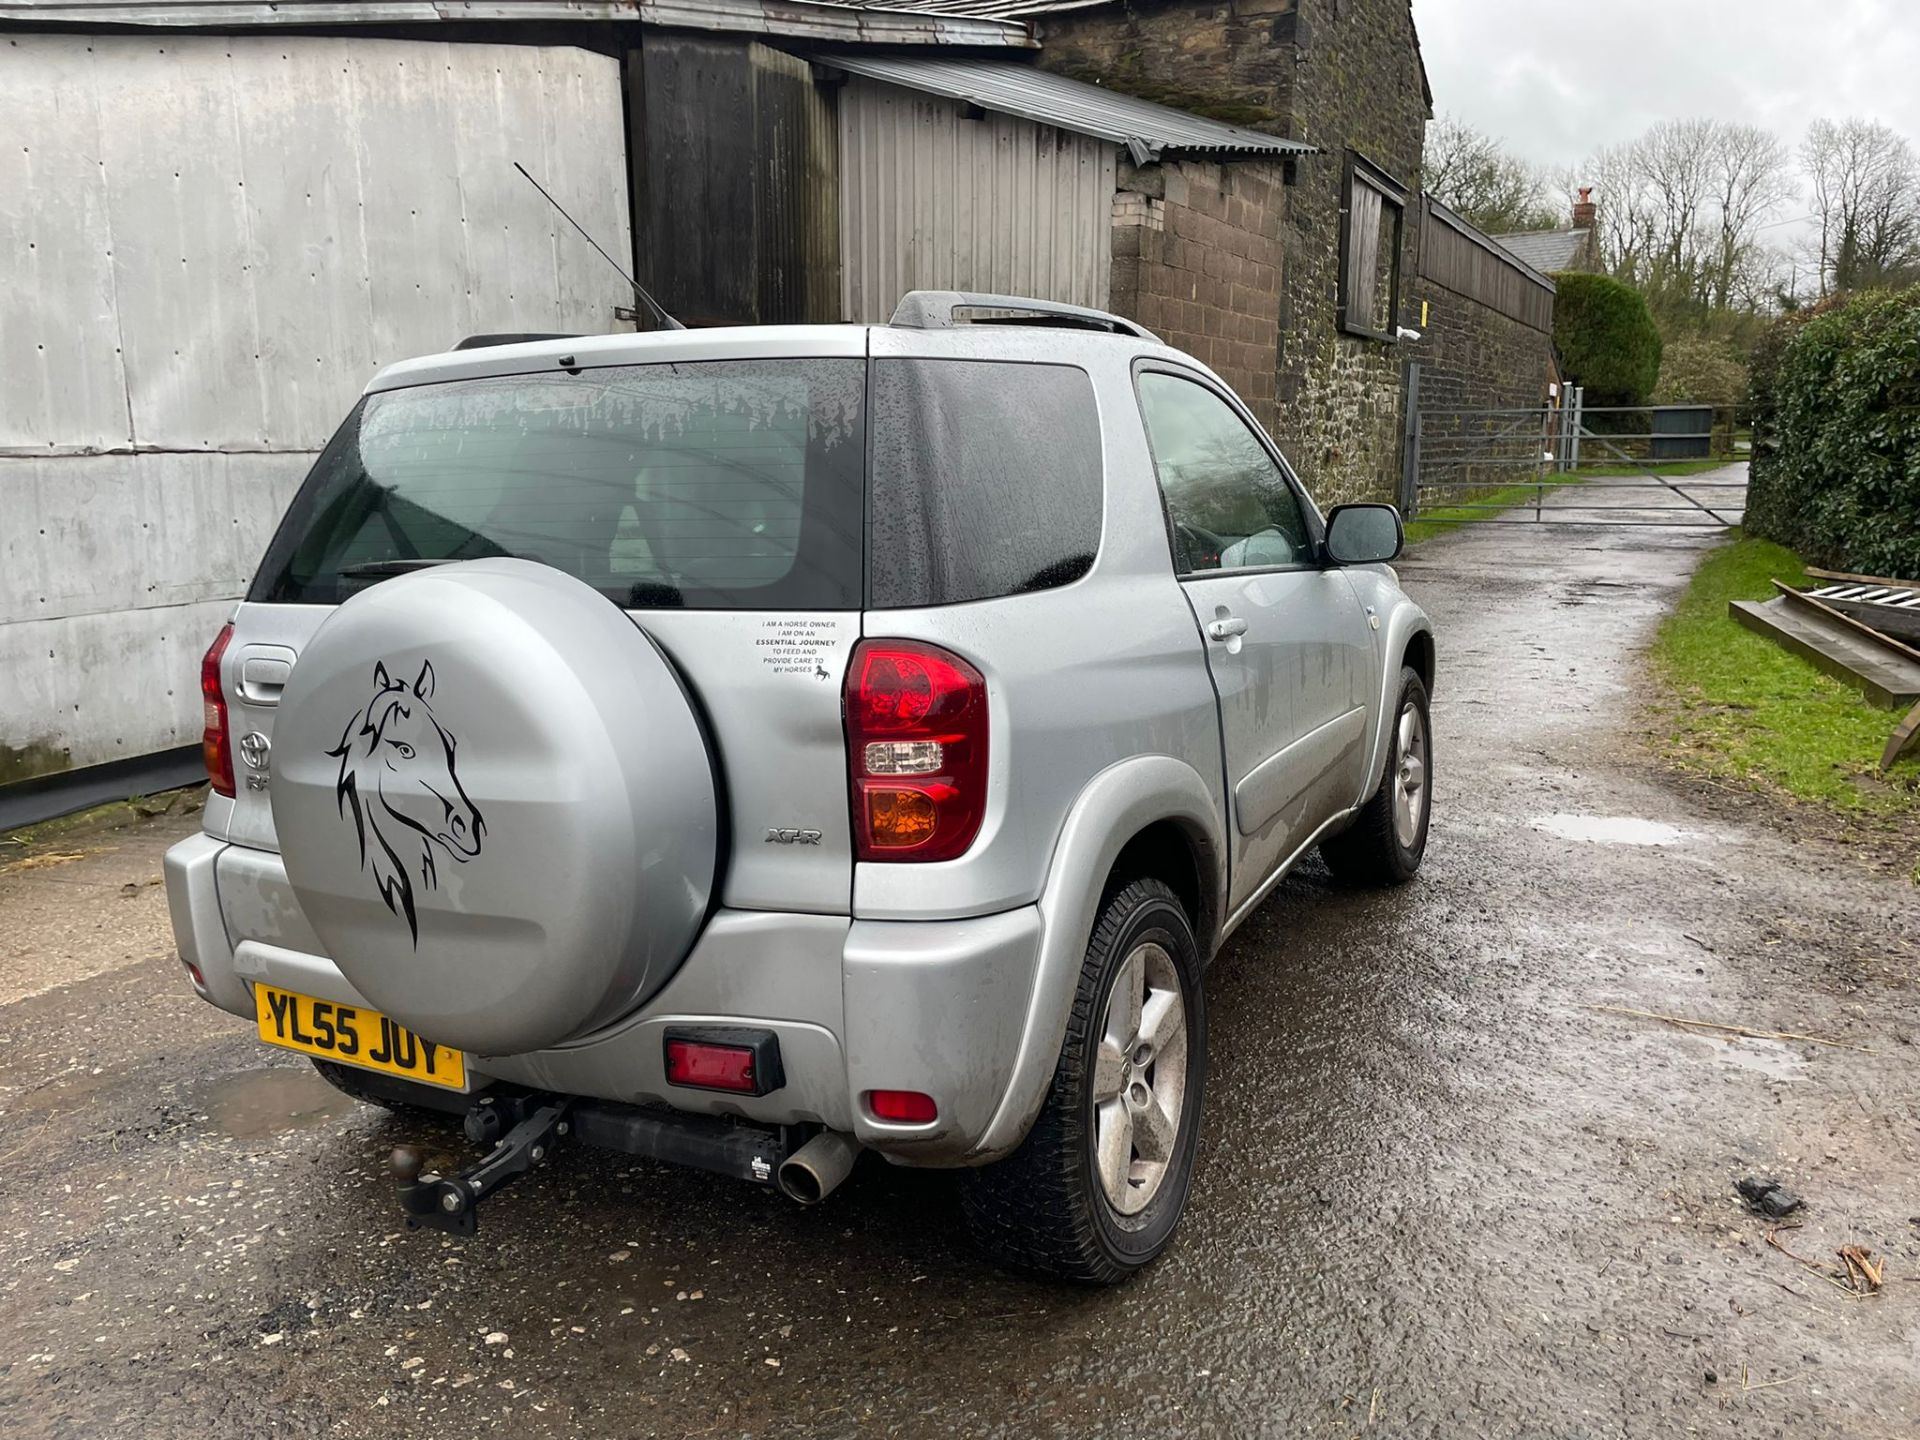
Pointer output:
x,y
986,480
716,485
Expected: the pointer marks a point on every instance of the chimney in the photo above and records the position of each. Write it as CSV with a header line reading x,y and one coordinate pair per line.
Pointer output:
x,y
1583,209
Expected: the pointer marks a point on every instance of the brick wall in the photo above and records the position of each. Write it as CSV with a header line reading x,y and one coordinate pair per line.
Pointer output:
x,y
1196,259
1340,75
1473,357
1483,348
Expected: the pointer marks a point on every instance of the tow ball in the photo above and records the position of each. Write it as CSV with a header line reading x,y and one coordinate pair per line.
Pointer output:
x,y
523,1131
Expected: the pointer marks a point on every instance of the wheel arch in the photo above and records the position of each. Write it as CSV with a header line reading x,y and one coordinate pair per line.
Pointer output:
x,y
1149,809
1419,655
1185,860
1409,642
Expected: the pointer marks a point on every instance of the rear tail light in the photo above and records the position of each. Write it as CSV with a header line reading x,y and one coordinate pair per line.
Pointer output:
x,y
902,1107
917,751
216,745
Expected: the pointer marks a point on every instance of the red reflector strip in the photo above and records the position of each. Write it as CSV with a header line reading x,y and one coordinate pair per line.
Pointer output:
x,y
710,1067
902,1107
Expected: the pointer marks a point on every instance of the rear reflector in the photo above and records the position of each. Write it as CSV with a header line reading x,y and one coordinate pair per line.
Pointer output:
x,y
724,1057
710,1067
902,1107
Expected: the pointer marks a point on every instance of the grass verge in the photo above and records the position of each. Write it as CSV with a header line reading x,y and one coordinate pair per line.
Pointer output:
x,y
1740,708
1441,518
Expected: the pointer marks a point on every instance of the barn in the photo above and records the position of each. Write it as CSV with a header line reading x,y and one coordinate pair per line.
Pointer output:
x,y
217,219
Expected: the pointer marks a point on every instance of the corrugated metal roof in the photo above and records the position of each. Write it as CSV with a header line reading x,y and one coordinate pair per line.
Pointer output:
x,y
992,9
882,24
1011,88
1544,250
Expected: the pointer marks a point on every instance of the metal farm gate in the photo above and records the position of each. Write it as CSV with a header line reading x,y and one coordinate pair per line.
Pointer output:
x,y
1564,462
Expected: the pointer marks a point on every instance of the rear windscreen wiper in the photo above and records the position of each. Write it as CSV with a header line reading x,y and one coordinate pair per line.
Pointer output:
x,y
381,569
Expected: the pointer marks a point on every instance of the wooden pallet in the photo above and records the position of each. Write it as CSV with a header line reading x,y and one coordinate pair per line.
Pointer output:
x,y
1890,606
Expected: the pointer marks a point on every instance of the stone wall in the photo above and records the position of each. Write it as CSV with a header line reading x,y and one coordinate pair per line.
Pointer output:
x,y
1196,259
1360,88
1341,75
1486,346
1473,358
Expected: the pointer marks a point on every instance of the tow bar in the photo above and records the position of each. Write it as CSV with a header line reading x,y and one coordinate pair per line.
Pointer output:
x,y
523,1130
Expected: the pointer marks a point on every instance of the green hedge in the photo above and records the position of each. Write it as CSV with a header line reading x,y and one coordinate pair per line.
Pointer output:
x,y
1606,338
1836,412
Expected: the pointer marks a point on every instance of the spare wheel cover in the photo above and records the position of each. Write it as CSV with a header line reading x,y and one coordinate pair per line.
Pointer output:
x,y
495,804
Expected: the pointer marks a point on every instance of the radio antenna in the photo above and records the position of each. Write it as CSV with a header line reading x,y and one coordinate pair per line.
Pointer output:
x,y
667,322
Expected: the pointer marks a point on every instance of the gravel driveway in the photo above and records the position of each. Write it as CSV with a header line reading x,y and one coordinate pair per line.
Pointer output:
x,y
1446,1188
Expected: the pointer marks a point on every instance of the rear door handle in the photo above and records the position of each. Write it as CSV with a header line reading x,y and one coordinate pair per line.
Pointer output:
x,y
1226,629
264,671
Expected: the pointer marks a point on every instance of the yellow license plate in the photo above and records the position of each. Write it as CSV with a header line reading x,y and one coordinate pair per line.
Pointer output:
x,y
354,1035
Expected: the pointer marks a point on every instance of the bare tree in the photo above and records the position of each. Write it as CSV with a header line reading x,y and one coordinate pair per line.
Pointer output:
x,y
1752,179
1865,180
1476,177
1682,212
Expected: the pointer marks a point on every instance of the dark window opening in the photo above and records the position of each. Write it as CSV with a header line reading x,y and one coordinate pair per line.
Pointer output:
x,y
1372,222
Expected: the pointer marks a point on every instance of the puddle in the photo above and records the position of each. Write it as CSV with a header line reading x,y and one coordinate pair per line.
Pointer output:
x,y
1613,830
1764,1057
258,1103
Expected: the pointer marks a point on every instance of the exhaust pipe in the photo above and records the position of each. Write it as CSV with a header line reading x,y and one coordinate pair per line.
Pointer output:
x,y
816,1169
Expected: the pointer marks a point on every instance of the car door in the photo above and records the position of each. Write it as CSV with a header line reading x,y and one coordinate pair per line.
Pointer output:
x,y
1288,642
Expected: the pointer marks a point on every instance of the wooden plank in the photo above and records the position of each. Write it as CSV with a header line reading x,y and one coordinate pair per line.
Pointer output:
x,y
1862,579
1889,681
1902,739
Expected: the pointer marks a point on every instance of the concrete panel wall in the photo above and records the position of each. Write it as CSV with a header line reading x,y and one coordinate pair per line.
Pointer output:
x,y
933,200
207,245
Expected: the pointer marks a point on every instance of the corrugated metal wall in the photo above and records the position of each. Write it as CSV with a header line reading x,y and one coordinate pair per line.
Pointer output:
x,y
933,200
734,160
207,244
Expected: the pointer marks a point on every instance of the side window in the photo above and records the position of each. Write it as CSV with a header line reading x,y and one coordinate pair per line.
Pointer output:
x,y
1230,505
984,479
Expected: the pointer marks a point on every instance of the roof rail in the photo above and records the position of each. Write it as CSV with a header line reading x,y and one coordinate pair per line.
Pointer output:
x,y
944,309
482,342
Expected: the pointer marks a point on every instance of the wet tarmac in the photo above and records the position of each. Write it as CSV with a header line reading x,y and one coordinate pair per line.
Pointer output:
x,y
1446,1187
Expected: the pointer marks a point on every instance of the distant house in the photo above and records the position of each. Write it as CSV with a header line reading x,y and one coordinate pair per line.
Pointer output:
x,y
1577,247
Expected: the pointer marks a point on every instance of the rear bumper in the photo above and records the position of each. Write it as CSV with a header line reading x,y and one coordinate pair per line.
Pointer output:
x,y
936,1006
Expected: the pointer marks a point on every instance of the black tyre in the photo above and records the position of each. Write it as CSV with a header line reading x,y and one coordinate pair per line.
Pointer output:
x,y
400,1096
1095,1190
1384,844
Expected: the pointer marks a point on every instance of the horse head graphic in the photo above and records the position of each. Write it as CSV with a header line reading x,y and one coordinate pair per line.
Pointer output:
x,y
397,777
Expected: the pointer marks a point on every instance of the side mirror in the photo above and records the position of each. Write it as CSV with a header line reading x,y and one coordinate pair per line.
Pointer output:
x,y
1364,534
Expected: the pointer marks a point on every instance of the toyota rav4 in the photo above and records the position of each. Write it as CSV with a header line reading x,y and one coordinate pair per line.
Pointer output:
x,y
748,747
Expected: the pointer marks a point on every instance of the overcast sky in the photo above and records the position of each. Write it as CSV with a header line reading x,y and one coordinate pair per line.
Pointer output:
x,y
1555,79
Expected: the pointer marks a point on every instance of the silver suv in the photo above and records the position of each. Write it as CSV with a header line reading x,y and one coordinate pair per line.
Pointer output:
x,y
746,747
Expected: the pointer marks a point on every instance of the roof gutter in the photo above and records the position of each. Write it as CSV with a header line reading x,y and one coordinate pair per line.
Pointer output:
x,y
791,19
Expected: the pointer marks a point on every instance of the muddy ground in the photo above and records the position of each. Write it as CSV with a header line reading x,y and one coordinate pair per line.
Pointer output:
x,y
1445,1189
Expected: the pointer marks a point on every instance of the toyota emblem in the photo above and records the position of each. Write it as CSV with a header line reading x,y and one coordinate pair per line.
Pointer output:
x,y
254,749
